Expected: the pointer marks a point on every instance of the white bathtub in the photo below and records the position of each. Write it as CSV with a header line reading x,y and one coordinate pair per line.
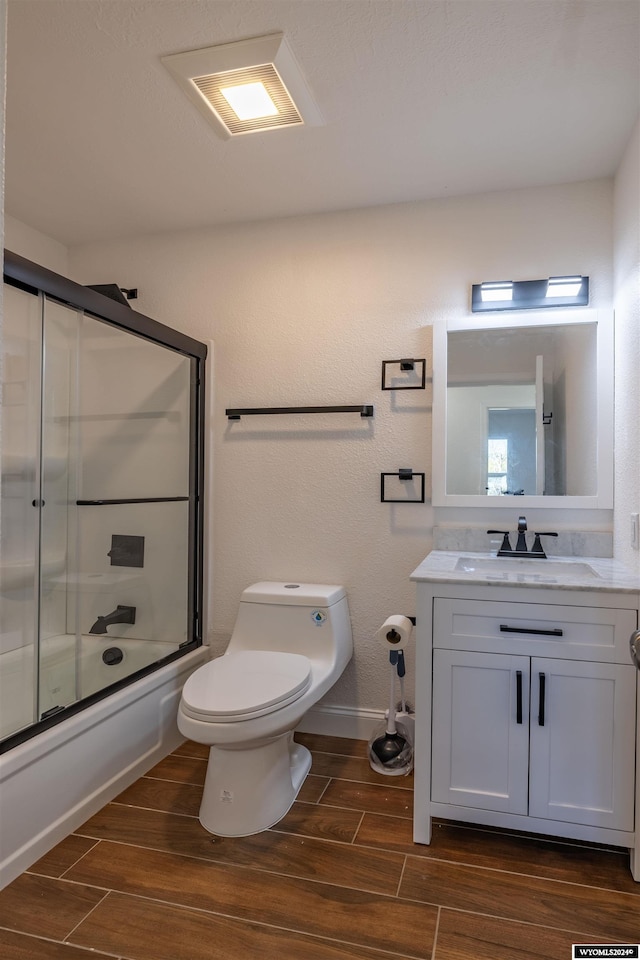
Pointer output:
x,y
70,669
53,782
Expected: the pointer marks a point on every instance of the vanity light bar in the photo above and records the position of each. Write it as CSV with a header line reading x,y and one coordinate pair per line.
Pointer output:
x,y
569,291
496,291
564,286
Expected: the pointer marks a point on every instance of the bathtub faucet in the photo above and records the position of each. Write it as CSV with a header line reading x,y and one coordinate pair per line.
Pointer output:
x,y
119,615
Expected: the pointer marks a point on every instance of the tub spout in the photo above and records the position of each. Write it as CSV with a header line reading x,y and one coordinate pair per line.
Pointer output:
x,y
119,615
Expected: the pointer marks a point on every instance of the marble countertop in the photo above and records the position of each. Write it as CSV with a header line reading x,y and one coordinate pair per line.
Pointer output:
x,y
559,573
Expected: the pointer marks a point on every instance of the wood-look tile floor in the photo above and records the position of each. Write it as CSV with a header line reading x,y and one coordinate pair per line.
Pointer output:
x,y
338,879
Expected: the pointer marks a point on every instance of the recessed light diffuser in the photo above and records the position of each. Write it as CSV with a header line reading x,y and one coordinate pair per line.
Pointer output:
x,y
281,113
249,101
216,78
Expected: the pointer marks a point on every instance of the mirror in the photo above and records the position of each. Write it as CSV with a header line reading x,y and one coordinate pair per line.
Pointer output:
x,y
524,410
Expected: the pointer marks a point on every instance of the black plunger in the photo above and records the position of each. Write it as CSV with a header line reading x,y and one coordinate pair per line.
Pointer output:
x,y
391,744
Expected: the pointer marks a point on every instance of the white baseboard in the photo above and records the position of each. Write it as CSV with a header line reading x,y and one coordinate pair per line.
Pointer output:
x,y
335,721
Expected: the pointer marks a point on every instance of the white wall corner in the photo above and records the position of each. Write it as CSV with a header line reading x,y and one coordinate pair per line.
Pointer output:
x,y
33,245
626,278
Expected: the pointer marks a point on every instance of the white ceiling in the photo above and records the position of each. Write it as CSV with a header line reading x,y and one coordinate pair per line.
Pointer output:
x,y
420,98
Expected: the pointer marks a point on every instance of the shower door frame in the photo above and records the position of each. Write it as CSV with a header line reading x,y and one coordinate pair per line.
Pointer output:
x,y
38,280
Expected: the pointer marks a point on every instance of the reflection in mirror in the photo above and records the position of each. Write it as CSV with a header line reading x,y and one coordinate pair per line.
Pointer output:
x,y
522,411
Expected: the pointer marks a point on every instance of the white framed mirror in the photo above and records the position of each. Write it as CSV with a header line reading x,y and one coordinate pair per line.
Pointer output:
x,y
523,411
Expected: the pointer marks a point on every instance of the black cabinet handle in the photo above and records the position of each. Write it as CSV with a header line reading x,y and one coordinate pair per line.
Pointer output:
x,y
518,696
541,703
555,632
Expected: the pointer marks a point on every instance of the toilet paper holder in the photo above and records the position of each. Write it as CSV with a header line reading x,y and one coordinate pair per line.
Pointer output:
x,y
413,619
396,632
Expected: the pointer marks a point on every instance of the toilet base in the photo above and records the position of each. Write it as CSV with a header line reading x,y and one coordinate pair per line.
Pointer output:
x,y
247,791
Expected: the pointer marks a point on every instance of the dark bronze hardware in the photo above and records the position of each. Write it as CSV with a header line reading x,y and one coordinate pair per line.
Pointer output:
x,y
406,365
555,632
536,552
542,679
364,409
405,474
518,696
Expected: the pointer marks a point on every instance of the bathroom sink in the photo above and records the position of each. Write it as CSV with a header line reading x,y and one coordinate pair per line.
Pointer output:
x,y
523,566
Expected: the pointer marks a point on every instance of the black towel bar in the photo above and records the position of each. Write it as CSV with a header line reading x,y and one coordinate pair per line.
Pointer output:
x,y
365,410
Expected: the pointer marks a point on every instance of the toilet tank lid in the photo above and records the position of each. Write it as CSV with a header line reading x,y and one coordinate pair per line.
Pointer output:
x,y
291,592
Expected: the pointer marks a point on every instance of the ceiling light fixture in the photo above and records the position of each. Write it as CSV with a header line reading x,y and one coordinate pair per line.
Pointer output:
x,y
246,87
569,291
249,101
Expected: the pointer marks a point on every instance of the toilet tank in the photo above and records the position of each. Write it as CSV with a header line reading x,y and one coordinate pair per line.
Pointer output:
x,y
306,618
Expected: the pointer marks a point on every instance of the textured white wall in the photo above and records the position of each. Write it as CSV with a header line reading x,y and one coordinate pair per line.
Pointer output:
x,y
626,261
302,312
30,243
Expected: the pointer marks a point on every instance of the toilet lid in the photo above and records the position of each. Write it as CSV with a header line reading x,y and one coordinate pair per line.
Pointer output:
x,y
246,684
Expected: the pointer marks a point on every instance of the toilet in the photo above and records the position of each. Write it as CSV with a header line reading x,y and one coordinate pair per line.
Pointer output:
x,y
290,643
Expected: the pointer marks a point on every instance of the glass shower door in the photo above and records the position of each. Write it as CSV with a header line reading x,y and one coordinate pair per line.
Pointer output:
x,y
101,498
40,346
20,520
59,680
133,504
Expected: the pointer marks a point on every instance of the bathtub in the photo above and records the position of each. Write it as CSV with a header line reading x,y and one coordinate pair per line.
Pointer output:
x,y
70,669
53,782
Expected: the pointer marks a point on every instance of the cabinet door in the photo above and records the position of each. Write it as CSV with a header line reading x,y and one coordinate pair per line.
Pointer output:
x,y
582,742
480,730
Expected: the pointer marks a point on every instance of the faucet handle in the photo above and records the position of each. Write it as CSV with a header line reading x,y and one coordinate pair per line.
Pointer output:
x,y
505,548
537,548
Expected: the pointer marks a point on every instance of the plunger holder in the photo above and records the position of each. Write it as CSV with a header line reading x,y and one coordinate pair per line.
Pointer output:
x,y
391,744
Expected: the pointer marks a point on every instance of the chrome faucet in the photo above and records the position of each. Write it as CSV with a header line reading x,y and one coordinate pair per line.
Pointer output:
x,y
119,615
521,549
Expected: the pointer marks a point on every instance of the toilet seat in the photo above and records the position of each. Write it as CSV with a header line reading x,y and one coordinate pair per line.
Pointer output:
x,y
244,685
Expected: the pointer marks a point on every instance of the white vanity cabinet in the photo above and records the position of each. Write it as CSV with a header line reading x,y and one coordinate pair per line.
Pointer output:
x,y
526,710
534,736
